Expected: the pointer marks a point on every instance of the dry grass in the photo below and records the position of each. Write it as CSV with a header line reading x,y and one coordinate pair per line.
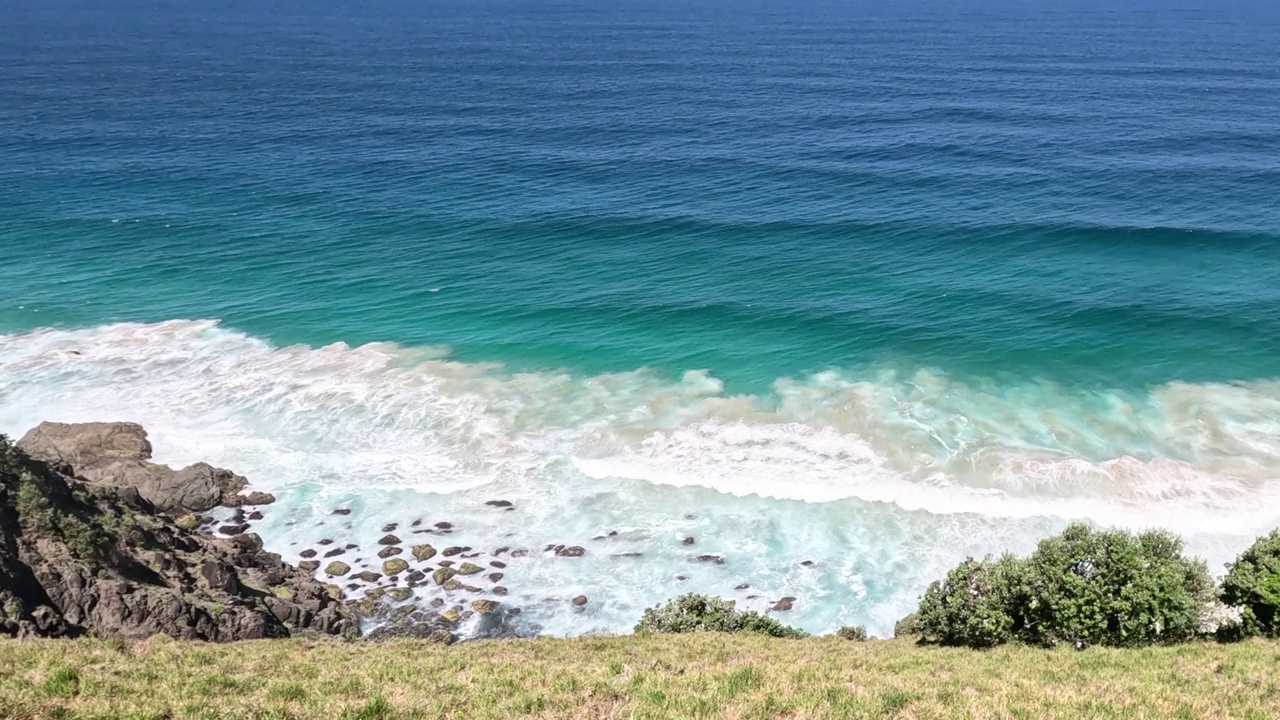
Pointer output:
x,y
682,676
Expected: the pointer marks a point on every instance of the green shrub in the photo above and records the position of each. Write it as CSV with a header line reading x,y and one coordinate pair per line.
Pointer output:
x,y
856,633
1111,587
1253,584
699,613
908,626
973,605
1084,587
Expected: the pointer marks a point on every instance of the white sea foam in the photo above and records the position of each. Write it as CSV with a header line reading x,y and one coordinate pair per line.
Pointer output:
x,y
882,482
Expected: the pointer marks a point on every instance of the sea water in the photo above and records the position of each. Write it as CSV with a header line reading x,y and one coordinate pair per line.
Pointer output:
x,y
845,293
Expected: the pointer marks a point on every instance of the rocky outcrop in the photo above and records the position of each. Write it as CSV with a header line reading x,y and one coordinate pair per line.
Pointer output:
x,y
119,455
79,558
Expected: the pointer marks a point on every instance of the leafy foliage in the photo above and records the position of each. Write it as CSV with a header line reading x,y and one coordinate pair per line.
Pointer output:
x,y
973,606
856,633
1253,584
908,626
1110,587
703,613
1084,587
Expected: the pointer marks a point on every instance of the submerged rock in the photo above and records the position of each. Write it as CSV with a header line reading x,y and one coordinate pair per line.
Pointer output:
x,y
580,600
389,551
389,539
784,604
571,551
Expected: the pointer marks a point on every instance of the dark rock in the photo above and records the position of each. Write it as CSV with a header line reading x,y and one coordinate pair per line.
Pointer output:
x,y
253,498
580,600
352,546
572,551
389,539
84,553
497,564
713,559
341,511
118,455
690,516
628,554
415,523
389,551
415,576
501,550
807,563
681,578
519,553
498,590
743,586
445,563
233,529
389,527
784,604
335,552
326,541
495,577
367,576
688,541
444,526
309,565
255,515
500,503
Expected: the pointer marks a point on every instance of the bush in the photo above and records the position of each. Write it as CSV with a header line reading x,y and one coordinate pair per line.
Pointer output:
x,y
1111,587
856,633
972,606
701,613
908,626
1253,584
1083,587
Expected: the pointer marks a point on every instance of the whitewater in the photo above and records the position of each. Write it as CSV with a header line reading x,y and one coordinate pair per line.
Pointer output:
x,y
849,491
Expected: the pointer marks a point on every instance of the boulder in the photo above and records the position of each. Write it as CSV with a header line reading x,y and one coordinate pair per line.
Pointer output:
x,y
389,551
89,558
394,566
336,568
389,539
713,559
309,565
423,552
688,541
498,590
571,551
335,552
368,576
495,577
253,498
580,600
399,594
187,522
467,568
499,503
452,585
451,551
784,604
497,564
119,455
307,554
484,607
389,527
442,575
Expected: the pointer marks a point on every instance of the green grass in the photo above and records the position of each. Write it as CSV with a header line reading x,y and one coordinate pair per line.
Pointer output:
x,y
658,676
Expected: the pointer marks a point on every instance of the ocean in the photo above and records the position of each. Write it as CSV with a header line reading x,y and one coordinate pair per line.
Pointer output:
x,y
843,291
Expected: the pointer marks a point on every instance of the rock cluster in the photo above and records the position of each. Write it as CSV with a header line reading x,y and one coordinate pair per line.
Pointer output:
x,y
119,455
84,548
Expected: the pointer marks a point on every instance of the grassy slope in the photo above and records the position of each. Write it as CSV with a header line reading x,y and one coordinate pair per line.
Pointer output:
x,y
701,675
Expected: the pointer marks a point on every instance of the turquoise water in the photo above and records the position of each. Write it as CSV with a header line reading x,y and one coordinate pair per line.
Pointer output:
x,y
876,288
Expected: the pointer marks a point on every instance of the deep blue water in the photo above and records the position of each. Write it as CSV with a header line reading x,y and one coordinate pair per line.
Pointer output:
x,y
996,247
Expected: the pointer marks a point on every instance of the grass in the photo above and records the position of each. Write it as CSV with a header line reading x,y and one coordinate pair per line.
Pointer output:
x,y
667,676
